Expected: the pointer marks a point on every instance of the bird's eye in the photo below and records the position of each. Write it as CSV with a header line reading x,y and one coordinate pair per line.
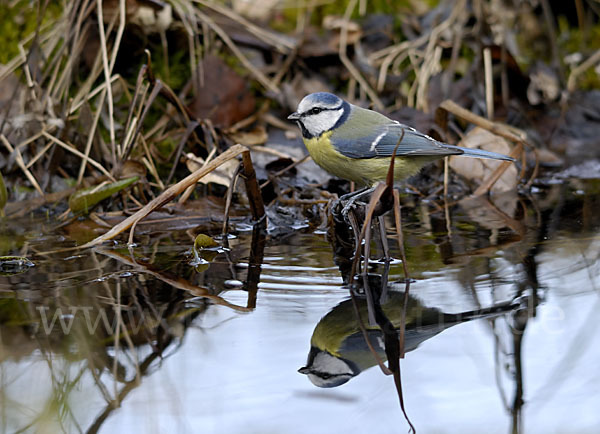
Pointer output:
x,y
315,110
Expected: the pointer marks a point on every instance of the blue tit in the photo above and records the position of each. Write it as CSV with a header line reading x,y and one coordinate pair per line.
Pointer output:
x,y
339,352
357,144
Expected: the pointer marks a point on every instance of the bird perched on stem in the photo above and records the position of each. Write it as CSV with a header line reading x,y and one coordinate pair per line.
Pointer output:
x,y
357,144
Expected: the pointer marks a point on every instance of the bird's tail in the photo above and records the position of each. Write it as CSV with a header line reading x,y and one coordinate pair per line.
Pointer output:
x,y
480,153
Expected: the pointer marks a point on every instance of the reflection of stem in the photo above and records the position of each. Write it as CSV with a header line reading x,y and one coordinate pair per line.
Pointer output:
x,y
117,308
365,333
252,188
521,318
257,252
228,199
402,331
129,386
400,235
498,351
366,226
176,282
392,347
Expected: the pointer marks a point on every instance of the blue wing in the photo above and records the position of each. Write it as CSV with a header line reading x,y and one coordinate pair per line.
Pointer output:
x,y
383,139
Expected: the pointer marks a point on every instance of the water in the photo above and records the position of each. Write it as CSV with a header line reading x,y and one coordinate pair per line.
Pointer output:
x,y
218,350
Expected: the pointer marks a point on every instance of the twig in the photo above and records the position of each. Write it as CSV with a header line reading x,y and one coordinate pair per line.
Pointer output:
x,y
188,132
230,190
365,334
281,44
91,134
488,183
106,67
168,195
176,282
577,71
79,154
260,77
431,65
494,127
89,95
285,169
375,196
489,82
253,190
21,163
131,123
348,64
399,233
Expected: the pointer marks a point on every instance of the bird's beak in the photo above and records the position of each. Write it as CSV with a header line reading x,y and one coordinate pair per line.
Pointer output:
x,y
304,370
294,116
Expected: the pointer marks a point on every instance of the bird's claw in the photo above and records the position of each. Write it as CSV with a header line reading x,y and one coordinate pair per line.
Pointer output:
x,y
350,201
350,204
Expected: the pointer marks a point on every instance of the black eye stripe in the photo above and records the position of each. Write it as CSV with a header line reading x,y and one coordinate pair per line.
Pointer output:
x,y
317,110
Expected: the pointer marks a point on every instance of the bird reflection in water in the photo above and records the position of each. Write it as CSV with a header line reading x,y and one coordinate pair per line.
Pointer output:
x,y
340,350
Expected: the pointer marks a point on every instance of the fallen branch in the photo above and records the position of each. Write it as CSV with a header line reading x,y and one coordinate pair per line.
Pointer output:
x,y
168,195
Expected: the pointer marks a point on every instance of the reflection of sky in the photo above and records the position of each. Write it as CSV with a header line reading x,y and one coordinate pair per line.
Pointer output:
x,y
236,373
241,377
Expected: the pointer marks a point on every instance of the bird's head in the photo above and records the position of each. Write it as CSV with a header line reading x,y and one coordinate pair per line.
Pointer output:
x,y
326,370
320,112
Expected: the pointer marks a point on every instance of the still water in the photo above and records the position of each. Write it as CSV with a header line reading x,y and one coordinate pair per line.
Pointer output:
x,y
502,326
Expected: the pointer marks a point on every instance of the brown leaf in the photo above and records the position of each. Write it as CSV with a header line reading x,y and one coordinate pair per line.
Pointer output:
x,y
222,175
257,136
258,10
495,212
149,16
225,97
477,169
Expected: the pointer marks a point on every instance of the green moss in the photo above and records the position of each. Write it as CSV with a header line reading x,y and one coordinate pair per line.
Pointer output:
x,y
285,21
166,147
338,7
589,80
17,22
574,40
11,242
175,71
422,258
233,62
20,20
570,40
3,195
13,312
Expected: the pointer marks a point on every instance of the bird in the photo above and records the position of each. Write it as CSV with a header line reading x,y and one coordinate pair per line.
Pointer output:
x,y
340,352
357,144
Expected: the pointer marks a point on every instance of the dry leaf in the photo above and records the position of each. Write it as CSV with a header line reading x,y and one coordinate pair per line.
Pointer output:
x,y
478,169
336,23
151,17
225,97
260,10
258,136
221,176
492,213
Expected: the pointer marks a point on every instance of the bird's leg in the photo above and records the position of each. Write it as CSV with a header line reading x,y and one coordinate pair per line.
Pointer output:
x,y
347,196
386,258
384,297
383,238
351,198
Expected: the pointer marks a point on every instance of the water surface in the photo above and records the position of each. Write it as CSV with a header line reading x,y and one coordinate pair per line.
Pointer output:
x,y
142,341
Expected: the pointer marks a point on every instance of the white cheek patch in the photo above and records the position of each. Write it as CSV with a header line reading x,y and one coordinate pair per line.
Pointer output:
x,y
324,121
